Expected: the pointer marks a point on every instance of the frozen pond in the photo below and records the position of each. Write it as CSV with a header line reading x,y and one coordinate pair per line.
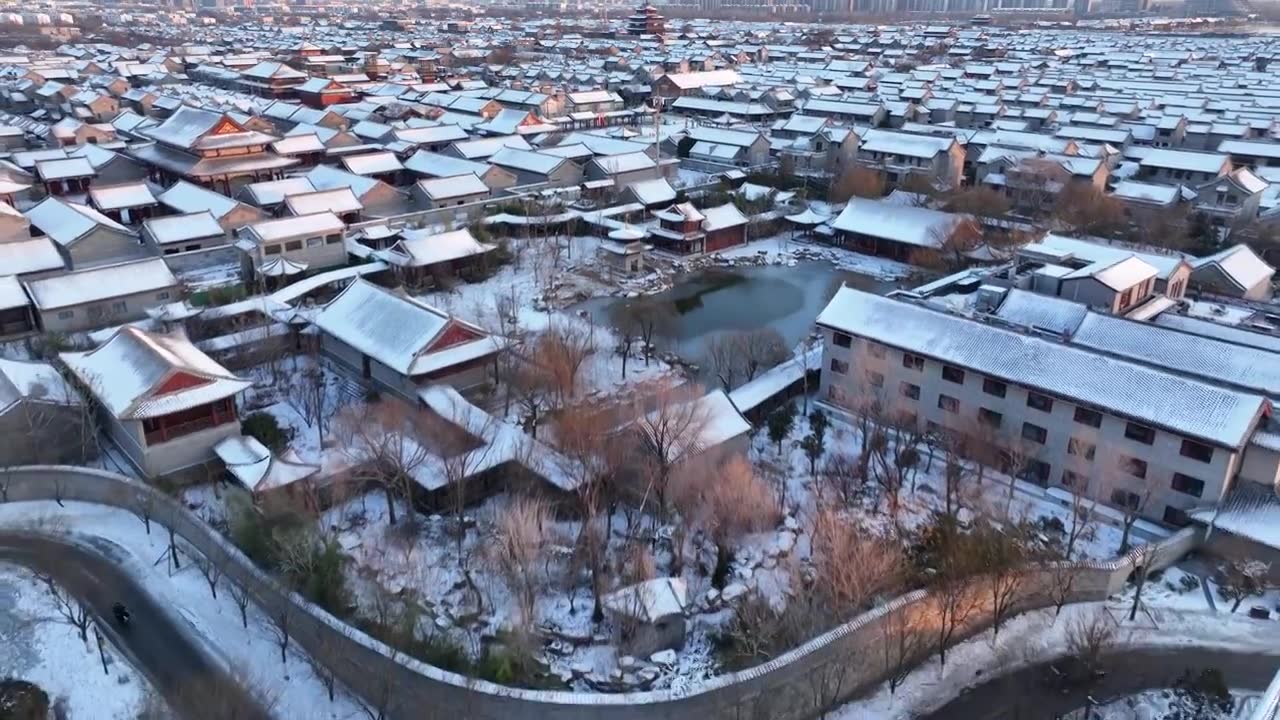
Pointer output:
x,y
718,300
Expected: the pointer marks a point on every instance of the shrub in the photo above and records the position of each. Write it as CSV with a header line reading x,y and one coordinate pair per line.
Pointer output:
x,y
21,700
265,428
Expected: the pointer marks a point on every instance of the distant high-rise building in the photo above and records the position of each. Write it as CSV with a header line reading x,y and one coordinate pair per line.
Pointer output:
x,y
646,21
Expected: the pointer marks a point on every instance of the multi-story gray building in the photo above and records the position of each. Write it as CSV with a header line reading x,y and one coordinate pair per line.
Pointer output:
x,y
1134,432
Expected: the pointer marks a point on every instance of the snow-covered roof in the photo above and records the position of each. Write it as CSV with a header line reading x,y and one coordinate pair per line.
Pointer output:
x,y
66,222
1033,310
1186,160
713,417
909,225
438,165
125,195
649,601
1246,368
629,162
34,382
137,374
22,257
526,160
652,192
337,201
297,226
1240,264
256,468
101,283
1059,249
1250,514
1117,274
722,217
905,144
273,192
180,228
372,163
1190,407
399,332
444,188
420,248
189,198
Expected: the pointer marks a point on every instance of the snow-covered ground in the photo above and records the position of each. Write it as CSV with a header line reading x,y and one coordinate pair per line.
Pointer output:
x,y
40,647
292,688
1036,636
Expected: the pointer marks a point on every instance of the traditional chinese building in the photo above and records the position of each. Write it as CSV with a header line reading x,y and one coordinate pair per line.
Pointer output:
x,y
210,149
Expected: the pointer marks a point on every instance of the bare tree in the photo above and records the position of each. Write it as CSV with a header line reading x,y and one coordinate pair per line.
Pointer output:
x,y
308,393
651,320
69,610
278,625
560,353
240,597
853,568
593,453
902,642
1062,578
521,534
1127,485
724,498
858,181
1086,210
670,424
387,442
980,201
210,570
840,472
1242,579
1090,637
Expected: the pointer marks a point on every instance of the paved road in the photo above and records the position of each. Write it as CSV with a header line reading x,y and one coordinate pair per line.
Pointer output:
x,y
1025,694
193,684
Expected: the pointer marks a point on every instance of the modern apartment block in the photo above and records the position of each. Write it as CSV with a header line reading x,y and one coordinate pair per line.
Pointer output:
x,y
1076,413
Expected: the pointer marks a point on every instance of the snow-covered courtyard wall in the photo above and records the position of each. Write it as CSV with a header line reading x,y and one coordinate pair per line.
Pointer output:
x,y
805,682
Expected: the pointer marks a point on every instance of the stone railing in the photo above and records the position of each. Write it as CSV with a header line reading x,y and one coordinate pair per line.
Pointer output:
x,y
802,683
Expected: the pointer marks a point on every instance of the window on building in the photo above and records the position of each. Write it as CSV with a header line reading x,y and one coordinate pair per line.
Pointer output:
x,y
875,379
908,390
839,367
990,418
948,403
1034,433
1139,433
1085,416
119,307
293,245
1125,499
1197,451
1188,485
162,295
1176,516
1036,471
843,340
934,429
1043,403
315,242
332,239
1134,466
875,350
953,374
66,314
1074,480
1081,448
912,362
994,387
271,250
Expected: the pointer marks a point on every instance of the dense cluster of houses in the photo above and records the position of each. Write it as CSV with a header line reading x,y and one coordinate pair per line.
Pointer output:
x,y
324,173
